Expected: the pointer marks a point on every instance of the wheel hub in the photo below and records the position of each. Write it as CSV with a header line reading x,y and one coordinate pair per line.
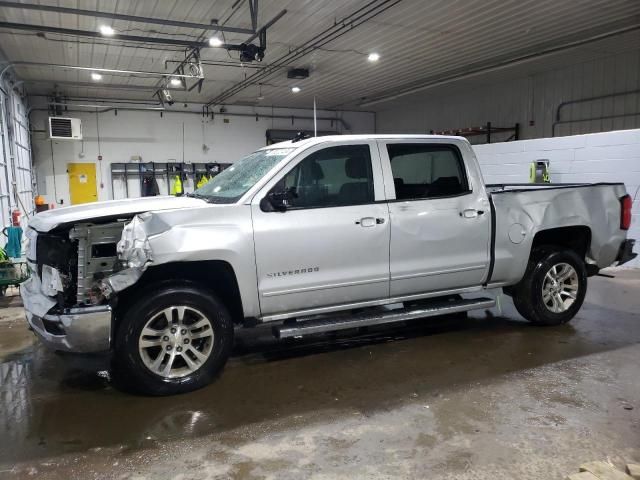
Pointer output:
x,y
560,287
176,341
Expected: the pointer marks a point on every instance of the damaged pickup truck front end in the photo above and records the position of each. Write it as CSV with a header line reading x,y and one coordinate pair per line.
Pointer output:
x,y
76,270
62,298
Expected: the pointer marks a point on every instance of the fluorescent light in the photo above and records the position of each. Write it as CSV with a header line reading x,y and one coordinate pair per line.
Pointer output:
x,y
176,82
295,89
107,31
215,42
373,57
96,76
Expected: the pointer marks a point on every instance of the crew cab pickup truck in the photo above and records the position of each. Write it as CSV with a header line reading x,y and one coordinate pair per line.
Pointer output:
x,y
314,235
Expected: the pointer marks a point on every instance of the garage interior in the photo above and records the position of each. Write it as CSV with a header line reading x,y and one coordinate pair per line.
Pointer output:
x,y
110,100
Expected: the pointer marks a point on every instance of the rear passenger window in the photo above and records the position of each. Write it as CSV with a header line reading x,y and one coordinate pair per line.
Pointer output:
x,y
426,171
332,177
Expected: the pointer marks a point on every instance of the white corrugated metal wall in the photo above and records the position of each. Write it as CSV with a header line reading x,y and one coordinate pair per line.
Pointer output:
x,y
5,199
16,185
531,101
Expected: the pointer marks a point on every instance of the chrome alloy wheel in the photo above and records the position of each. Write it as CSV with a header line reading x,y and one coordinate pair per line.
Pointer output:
x,y
560,287
176,341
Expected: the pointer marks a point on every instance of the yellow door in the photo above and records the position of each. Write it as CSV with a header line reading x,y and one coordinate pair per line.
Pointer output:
x,y
82,182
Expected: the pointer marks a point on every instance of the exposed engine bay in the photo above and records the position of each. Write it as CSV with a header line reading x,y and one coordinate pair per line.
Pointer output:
x,y
72,262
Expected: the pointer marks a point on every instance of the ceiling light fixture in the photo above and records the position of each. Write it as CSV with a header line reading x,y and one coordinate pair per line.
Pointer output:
x,y
176,82
295,89
107,31
166,97
96,76
373,57
215,42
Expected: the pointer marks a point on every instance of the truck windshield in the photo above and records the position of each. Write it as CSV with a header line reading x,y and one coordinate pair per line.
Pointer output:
x,y
233,182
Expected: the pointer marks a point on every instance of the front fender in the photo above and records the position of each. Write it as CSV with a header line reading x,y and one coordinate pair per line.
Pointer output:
x,y
216,232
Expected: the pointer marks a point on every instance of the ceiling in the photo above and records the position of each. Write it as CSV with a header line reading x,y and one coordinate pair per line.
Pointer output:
x,y
420,42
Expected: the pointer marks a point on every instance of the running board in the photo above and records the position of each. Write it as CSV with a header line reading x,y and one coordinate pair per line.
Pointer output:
x,y
364,319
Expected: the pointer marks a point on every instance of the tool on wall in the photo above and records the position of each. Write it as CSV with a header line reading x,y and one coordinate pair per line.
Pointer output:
x,y
539,172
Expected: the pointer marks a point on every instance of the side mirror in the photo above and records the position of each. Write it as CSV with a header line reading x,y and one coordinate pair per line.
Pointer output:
x,y
278,201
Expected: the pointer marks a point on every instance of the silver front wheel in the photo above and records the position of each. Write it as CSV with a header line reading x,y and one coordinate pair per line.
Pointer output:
x,y
176,341
560,288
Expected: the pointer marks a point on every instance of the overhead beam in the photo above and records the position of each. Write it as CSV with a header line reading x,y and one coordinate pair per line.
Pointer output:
x,y
92,85
265,26
131,18
136,38
91,34
224,63
104,70
253,10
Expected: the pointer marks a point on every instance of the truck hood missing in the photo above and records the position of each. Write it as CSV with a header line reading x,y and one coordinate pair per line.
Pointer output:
x,y
50,219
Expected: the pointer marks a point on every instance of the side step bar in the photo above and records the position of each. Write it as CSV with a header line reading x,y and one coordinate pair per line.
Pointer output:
x,y
378,317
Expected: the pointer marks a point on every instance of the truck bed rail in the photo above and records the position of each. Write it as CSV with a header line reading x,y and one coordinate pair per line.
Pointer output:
x,y
517,187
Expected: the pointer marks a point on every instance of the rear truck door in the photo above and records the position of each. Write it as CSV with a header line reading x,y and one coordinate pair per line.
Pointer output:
x,y
440,216
331,245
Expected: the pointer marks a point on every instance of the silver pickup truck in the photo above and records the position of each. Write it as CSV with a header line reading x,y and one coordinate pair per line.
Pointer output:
x,y
315,235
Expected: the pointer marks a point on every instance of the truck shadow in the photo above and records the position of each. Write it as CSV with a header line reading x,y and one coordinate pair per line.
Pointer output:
x,y
51,405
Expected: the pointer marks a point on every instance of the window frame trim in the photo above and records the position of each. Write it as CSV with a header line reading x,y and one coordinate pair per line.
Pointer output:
x,y
445,143
376,170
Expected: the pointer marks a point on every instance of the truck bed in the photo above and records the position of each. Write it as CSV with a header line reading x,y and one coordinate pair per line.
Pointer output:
x,y
520,211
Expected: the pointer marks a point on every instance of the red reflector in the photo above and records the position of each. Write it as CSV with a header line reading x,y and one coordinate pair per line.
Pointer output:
x,y
625,212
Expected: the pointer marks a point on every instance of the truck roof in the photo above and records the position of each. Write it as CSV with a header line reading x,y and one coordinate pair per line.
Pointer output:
x,y
341,138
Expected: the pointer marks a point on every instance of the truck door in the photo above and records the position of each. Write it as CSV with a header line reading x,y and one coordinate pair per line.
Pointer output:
x,y
440,219
331,245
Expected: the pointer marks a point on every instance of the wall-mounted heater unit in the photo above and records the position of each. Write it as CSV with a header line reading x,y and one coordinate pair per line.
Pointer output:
x,y
63,128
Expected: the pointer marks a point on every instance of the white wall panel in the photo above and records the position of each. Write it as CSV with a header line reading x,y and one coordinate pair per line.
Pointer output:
x,y
16,191
160,139
530,100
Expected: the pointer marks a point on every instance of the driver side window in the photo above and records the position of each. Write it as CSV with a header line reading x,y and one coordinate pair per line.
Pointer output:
x,y
332,177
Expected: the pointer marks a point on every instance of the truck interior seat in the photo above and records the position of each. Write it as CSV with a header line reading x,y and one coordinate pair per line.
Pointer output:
x,y
445,186
357,167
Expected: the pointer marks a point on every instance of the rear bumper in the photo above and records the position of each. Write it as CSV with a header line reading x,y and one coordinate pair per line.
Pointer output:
x,y
626,252
79,330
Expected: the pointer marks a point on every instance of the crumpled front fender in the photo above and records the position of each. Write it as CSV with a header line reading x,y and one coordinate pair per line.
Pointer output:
x,y
215,232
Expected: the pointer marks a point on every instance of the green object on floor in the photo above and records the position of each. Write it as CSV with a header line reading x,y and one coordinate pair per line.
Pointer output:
x,y
13,248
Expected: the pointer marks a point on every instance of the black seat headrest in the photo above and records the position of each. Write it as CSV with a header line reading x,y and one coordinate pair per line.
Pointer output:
x,y
316,171
357,167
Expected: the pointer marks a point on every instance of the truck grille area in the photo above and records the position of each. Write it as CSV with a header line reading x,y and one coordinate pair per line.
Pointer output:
x,y
61,253
97,256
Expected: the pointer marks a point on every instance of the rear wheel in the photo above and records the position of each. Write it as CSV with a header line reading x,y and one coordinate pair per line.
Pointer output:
x,y
553,287
173,340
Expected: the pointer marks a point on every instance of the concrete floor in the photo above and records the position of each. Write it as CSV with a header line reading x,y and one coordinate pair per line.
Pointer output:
x,y
489,397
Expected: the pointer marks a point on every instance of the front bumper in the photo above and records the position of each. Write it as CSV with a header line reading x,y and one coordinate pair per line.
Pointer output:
x,y
626,252
79,330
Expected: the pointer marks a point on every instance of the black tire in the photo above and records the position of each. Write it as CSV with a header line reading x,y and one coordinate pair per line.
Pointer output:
x,y
129,370
528,293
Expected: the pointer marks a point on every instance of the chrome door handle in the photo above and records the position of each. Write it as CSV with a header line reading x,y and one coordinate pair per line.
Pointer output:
x,y
471,213
366,222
